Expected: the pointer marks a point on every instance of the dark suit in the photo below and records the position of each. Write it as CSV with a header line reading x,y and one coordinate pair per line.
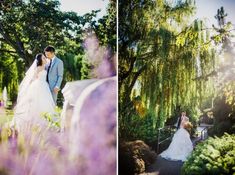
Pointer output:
x,y
179,122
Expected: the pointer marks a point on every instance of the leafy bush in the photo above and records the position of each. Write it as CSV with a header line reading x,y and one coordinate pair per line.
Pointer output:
x,y
134,157
220,128
214,156
139,127
224,118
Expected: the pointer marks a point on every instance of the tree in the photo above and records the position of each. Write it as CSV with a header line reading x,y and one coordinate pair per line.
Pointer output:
x,y
106,27
161,53
28,26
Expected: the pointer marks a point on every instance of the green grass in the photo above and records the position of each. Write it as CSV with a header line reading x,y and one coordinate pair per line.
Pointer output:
x,y
6,118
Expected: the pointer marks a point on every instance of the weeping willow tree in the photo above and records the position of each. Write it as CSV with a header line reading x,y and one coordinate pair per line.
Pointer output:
x,y
10,70
162,54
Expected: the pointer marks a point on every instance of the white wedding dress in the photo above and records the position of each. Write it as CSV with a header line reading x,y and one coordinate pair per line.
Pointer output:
x,y
180,147
36,101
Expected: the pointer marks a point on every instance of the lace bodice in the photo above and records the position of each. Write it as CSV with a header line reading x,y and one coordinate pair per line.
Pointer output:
x,y
42,75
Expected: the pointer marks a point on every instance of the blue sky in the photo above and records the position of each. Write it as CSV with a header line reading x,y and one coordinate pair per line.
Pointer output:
x,y
84,6
208,8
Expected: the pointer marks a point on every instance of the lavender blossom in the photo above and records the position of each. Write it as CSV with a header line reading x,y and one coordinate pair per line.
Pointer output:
x,y
95,143
100,57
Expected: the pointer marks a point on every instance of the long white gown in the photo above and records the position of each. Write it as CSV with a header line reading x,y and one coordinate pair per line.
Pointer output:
x,y
36,101
180,147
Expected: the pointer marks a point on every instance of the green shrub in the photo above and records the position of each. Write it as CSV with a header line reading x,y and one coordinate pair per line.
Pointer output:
x,y
134,157
224,118
220,128
140,128
214,156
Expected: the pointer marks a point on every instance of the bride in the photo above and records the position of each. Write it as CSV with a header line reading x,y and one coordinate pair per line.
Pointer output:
x,y
181,145
34,97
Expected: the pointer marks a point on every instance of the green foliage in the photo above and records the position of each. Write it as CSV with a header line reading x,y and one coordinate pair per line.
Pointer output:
x,y
139,127
214,156
53,120
106,28
224,117
134,157
145,127
5,117
229,92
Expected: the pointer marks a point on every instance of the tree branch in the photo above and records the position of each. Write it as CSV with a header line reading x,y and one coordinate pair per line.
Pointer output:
x,y
137,74
8,51
11,42
125,75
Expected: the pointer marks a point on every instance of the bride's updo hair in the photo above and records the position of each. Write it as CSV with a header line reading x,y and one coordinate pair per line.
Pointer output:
x,y
39,59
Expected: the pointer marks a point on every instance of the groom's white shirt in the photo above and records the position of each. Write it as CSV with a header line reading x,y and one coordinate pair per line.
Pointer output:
x,y
53,59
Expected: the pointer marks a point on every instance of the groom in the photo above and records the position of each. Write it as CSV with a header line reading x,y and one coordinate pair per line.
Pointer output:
x,y
55,71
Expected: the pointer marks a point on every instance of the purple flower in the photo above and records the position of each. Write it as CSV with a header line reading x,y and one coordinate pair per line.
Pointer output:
x,y
93,138
100,57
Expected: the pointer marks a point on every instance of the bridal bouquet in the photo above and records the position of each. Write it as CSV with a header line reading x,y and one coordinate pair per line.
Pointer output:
x,y
188,126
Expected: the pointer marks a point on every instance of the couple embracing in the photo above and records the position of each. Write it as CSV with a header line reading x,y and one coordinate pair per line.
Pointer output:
x,y
39,89
181,145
